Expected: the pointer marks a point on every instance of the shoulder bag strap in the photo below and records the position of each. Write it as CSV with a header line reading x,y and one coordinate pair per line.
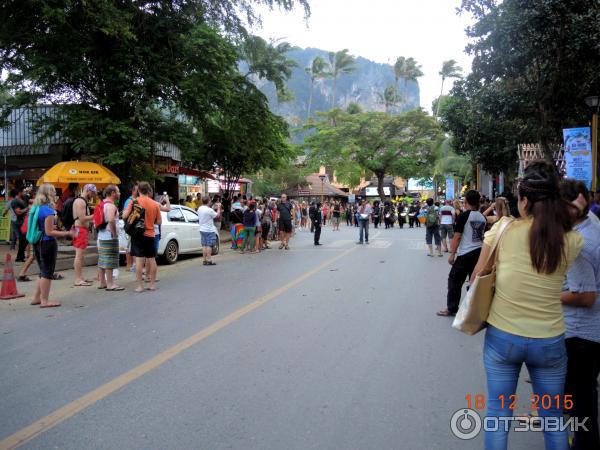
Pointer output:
x,y
494,253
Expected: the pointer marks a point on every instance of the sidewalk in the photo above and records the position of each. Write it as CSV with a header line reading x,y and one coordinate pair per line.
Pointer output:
x,y
66,254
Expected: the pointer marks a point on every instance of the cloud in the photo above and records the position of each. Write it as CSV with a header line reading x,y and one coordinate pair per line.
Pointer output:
x,y
380,30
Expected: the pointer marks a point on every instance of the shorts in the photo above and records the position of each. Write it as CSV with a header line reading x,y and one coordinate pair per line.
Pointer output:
x,y
266,227
143,247
208,238
285,226
432,233
45,255
447,231
82,236
156,242
335,220
108,254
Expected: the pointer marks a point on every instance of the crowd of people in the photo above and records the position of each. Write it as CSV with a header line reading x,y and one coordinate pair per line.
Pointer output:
x,y
545,312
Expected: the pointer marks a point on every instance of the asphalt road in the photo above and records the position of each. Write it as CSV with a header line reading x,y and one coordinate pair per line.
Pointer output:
x,y
332,347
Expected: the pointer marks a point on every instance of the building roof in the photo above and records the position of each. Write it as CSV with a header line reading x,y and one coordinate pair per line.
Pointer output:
x,y
313,189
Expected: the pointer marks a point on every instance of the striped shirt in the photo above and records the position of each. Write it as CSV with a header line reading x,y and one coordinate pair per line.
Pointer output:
x,y
584,276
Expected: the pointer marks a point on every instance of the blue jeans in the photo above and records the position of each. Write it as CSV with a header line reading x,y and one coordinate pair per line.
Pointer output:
x,y
546,360
364,228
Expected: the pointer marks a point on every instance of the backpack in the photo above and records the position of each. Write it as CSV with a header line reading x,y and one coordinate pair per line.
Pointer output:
x,y
66,216
431,217
34,234
99,221
135,225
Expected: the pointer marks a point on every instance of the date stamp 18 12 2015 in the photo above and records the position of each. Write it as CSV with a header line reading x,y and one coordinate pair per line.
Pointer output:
x,y
513,402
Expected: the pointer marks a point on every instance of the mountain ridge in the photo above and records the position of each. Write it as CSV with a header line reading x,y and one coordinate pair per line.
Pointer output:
x,y
363,86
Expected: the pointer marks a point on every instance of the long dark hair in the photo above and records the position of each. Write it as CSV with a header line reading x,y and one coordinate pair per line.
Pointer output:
x,y
550,213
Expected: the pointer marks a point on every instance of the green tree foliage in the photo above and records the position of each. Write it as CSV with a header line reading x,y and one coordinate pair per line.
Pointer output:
x,y
286,176
406,69
389,98
375,143
450,69
340,63
534,63
128,75
245,136
317,70
268,60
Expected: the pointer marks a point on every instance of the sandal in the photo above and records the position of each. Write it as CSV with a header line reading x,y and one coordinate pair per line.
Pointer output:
x,y
57,276
84,284
23,278
50,305
210,263
445,313
116,288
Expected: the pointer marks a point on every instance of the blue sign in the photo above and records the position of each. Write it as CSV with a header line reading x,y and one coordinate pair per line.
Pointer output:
x,y
450,188
578,154
500,184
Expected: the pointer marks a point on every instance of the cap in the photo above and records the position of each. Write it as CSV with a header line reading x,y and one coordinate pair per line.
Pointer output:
x,y
90,187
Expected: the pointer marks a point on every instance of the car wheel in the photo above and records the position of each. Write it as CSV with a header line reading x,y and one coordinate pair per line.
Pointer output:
x,y
216,247
171,252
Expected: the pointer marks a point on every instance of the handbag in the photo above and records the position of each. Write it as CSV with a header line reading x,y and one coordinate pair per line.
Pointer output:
x,y
474,310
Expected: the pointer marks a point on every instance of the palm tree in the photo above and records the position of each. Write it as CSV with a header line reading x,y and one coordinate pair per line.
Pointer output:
x,y
409,70
339,63
389,97
450,69
316,71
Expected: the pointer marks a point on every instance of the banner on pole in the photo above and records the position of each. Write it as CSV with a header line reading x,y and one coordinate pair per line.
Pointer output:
x,y
500,184
578,154
450,188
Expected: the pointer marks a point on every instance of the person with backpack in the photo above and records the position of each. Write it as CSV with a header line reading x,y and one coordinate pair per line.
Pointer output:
x,y
76,216
250,222
141,215
465,248
432,228
106,222
42,234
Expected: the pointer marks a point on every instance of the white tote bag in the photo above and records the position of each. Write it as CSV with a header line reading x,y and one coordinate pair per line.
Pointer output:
x,y
475,308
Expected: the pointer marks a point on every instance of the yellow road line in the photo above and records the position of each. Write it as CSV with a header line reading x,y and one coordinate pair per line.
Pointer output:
x,y
60,415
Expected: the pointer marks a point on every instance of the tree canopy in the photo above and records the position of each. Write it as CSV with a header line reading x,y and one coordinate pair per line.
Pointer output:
x,y
375,143
128,75
534,63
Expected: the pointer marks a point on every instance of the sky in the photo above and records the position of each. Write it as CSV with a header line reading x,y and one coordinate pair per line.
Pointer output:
x,y
380,30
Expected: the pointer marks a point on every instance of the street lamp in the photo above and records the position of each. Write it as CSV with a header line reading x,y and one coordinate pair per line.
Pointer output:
x,y
322,177
593,101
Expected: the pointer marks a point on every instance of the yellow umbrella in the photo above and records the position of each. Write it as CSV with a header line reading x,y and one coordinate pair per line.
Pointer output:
x,y
82,172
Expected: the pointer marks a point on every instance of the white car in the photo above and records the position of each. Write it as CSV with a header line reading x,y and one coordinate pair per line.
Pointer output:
x,y
180,234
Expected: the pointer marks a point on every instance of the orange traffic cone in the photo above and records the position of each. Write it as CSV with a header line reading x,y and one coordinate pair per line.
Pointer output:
x,y
9,285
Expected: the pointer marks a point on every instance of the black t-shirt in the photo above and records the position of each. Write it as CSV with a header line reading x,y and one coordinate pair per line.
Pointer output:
x,y
336,211
285,213
18,204
237,216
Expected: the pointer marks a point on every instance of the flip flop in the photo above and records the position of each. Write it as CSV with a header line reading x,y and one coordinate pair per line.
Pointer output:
x,y
101,287
137,291
57,276
150,289
35,304
84,284
50,305
116,288
445,313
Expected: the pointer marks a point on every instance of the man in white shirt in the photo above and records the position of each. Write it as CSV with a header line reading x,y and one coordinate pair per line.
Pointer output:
x,y
208,231
447,217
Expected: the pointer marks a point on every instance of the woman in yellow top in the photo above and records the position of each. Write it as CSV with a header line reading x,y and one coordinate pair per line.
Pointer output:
x,y
525,324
